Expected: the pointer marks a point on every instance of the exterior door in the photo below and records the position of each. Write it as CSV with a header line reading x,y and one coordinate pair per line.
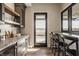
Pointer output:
x,y
40,29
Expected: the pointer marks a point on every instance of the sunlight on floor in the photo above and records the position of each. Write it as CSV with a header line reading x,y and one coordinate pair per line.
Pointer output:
x,y
33,49
39,51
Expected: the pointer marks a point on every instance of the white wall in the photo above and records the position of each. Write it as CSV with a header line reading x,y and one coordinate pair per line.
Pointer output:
x,y
53,19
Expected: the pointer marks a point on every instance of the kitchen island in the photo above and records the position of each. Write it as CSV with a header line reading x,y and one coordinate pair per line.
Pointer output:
x,y
15,43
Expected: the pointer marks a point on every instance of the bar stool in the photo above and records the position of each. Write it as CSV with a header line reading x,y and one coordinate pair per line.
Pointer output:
x,y
57,44
62,46
54,43
52,46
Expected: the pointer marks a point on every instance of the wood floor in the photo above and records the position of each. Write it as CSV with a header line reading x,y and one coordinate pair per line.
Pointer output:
x,y
39,51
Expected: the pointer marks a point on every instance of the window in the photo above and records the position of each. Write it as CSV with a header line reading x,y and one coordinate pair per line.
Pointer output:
x,y
40,29
65,21
70,19
75,17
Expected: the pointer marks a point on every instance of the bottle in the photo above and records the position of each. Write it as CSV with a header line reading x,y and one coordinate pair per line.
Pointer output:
x,y
9,34
6,35
12,35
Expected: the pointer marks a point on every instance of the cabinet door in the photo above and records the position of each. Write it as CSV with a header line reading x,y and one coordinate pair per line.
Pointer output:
x,y
23,18
21,47
9,51
20,8
23,15
0,11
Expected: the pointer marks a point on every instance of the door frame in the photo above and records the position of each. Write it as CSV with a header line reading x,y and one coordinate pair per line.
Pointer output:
x,y
40,13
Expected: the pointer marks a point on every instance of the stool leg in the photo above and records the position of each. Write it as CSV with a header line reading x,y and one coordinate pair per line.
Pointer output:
x,y
55,51
58,52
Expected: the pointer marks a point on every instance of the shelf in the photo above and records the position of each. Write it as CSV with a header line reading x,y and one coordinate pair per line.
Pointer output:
x,y
10,11
12,22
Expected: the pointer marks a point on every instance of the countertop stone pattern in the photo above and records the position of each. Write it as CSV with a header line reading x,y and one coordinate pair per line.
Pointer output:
x,y
8,42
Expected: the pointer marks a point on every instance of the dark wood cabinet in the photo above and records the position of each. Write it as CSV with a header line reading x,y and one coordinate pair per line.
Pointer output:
x,y
9,51
12,20
23,18
0,11
20,8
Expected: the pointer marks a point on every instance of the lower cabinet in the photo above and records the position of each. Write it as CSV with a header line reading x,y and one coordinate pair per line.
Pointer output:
x,y
9,51
17,49
22,47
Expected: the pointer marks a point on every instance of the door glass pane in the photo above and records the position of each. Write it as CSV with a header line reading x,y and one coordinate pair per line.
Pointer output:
x,y
65,21
75,17
40,29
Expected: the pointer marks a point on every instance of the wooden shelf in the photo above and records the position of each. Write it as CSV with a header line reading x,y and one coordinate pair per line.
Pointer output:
x,y
10,11
12,22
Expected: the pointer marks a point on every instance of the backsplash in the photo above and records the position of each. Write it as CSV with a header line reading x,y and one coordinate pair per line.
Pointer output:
x,y
8,27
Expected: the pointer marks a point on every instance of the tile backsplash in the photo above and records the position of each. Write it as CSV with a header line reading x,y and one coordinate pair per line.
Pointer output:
x,y
8,27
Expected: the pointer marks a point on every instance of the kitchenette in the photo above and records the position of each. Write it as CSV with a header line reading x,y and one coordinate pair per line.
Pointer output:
x,y
12,20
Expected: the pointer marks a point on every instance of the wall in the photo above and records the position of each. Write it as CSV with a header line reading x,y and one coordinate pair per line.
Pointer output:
x,y
53,19
64,6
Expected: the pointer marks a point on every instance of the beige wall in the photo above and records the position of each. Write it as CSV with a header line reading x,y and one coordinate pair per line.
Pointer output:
x,y
64,5
53,19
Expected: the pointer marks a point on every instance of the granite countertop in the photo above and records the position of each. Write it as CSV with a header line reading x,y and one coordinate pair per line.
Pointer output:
x,y
8,42
71,35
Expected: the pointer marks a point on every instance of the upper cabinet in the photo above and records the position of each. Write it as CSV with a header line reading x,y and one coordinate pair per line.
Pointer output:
x,y
20,8
10,11
1,12
16,12
8,15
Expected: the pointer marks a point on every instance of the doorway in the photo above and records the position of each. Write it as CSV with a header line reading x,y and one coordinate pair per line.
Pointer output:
x,y
40,29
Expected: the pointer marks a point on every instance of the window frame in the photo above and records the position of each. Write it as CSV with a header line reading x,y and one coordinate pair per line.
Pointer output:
x,y
69,9
62,21
71,21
